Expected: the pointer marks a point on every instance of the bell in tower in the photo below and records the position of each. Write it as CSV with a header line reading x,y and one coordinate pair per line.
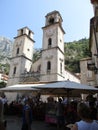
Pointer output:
x,y
53,17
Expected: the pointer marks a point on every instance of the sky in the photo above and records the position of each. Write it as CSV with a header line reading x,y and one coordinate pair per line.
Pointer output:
x,y
16,14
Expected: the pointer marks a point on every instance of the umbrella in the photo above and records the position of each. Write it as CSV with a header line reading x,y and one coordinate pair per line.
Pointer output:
x,y
20,88
54,88
66,88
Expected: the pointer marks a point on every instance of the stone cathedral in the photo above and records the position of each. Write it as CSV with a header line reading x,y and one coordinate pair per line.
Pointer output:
x,y
50,66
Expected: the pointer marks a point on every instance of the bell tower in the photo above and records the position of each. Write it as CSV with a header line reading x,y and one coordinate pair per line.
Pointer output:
x,y
22,54
52,66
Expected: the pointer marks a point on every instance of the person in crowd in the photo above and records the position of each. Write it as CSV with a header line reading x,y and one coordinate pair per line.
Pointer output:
x,y
5,102
27,115
60,114
93,110
85,123
2,127
71,112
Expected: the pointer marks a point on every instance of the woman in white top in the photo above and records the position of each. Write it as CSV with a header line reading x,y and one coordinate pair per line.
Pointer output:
x,y
85,123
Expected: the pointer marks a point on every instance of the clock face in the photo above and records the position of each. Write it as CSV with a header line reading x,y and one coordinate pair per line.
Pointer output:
x,y
18,43
50,32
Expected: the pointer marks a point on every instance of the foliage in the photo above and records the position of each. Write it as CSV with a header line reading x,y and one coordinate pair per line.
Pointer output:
x,y
2,84
4,68
36,55
74,52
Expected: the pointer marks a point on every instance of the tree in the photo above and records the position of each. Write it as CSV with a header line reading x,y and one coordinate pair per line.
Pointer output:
x,y
2,84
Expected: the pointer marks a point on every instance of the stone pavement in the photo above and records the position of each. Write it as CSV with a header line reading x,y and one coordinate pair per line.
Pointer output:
x,y
14,123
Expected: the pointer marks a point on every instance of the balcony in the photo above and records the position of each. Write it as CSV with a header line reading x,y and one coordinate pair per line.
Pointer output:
x,y
30,77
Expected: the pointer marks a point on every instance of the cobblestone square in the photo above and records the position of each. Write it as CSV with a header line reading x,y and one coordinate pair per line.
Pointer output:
x,y
14,123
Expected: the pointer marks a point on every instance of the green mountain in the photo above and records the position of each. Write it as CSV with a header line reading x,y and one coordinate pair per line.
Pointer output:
x,y
74,52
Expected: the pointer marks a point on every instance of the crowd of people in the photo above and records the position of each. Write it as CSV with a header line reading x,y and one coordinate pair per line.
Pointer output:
x,y
83,114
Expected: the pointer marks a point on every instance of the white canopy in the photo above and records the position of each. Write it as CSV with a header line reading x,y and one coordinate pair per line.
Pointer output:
x,y
20,87
67,87
54,88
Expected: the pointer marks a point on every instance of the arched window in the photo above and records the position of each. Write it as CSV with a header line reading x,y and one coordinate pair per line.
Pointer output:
x,y
51,20
21,31
97,26
39,68
29,34
48,66
14,71
49,42
17,51
61,68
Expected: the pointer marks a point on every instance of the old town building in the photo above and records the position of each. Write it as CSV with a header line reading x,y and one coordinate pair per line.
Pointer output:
x,y
89,66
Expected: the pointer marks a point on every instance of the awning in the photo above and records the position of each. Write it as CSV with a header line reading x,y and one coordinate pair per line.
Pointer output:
x,y
66,88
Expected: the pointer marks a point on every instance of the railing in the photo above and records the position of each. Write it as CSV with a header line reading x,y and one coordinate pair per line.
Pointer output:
x,y
30,75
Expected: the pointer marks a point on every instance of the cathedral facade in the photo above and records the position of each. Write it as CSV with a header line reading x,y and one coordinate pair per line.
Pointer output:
x,y
51,65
